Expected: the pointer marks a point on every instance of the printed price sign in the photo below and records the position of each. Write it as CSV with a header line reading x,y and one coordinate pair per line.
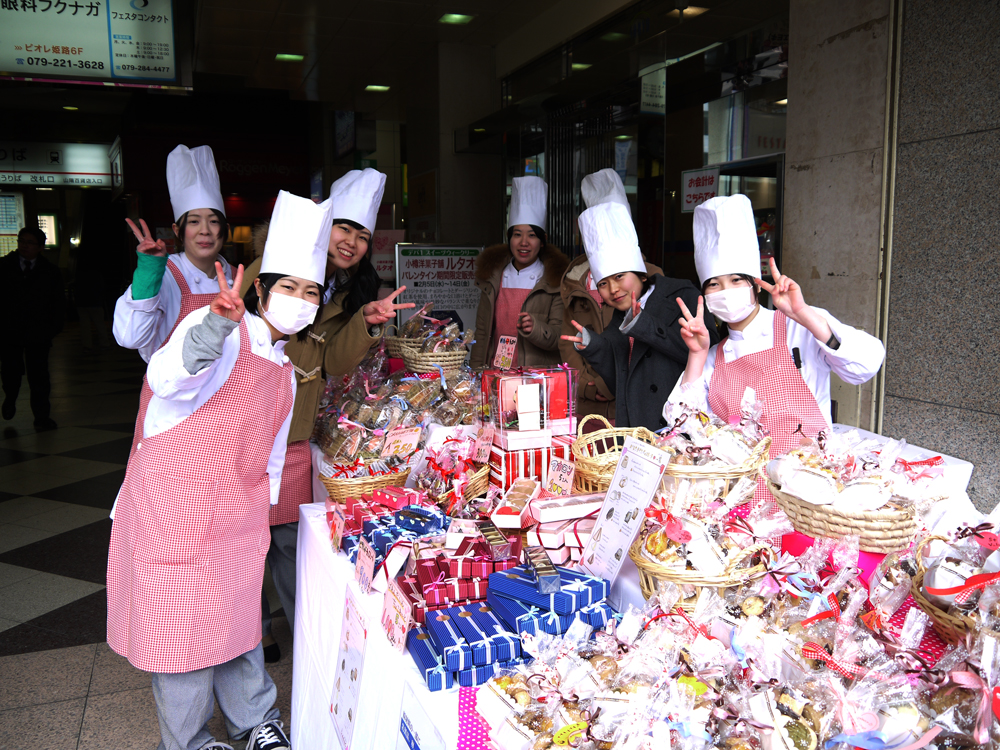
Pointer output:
x,y
401,441
560,477
337,521
506,349
484,442
396,618
364,570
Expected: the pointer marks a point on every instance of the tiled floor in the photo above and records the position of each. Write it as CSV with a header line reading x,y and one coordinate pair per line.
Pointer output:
x,y
62,686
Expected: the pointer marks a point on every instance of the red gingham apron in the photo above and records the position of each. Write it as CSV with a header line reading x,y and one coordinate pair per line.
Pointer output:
x,y
594,292
508,307
787,400
189,303
296,484
186,562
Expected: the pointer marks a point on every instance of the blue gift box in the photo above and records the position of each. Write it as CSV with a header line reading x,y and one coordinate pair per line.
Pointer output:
x,y
420,519
488,644
578,589
347,540
448,640
525,618
370,525
351,547
598,615
382,540
428,661
505,643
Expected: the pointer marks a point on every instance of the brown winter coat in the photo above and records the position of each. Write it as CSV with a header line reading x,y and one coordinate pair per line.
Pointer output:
x,y
335,345
540,348
578,305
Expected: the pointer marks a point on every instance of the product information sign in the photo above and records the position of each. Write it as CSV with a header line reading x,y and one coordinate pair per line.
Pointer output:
x,y
633,485
442,274
128,40
44,164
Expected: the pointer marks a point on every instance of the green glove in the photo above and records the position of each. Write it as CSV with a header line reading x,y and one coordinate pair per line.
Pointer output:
x,y
148,276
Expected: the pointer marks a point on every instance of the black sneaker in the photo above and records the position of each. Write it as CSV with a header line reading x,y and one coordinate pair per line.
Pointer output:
x,y
268,736
213,745
272,653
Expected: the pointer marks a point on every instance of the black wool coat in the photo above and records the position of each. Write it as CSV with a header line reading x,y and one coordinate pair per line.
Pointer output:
x,y
643,381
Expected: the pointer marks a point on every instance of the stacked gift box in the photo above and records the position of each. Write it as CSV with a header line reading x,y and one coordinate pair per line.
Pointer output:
x,y
514,596
565,523
445,578
383,526
532,411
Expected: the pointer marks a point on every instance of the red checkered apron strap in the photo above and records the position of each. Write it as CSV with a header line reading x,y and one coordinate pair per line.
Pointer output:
x,y
193,497
787,400
593,292
508,307
189,303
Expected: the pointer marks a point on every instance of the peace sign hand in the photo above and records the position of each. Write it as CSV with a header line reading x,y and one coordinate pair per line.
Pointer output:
x,y
636,307
383,310
785,293
228,302
147,245
577,340
693,329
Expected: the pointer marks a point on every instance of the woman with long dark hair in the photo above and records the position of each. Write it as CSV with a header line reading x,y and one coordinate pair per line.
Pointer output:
x,y
348,324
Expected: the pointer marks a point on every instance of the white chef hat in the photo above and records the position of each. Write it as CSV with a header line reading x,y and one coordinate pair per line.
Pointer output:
x,y
297,238
528,196
604,187
725,238
610,241
193,180
357,196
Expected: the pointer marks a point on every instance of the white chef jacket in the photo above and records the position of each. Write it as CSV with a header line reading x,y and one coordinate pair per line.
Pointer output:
x,y
177,393
145,324
524,279
856,361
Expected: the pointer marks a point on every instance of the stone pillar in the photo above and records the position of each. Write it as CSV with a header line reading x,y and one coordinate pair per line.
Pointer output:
x,y
837,58
942,387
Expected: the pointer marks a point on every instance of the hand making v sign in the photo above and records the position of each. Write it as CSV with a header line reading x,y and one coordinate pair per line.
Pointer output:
x,y
147,245
228,302
786,295
383,310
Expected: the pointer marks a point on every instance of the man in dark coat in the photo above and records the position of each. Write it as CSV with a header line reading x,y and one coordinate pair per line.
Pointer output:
x,y
32,309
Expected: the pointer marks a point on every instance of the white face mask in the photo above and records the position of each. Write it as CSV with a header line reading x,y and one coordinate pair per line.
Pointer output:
x,y
731,305
289,314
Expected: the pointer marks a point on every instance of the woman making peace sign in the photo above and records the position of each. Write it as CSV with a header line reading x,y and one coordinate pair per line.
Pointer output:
x,y
785,355
190,533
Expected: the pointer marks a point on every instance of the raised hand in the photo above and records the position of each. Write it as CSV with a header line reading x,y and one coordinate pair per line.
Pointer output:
x,y
228,302
785,293
525,323
636,307
147,245
383,310
693,329
577,340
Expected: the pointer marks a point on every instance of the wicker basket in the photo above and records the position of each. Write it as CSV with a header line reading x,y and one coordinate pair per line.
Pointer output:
x,y
881,531
951,628
340,488
395,344
595,454
424,362
651,573
475,487
721,478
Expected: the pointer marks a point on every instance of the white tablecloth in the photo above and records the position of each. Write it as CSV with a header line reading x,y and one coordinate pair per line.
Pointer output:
x,y
323,579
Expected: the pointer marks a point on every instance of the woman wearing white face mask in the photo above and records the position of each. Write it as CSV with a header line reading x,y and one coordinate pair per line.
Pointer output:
x,y
190,532
785,355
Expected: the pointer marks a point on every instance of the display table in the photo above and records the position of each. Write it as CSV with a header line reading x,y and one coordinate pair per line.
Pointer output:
x,y
323,580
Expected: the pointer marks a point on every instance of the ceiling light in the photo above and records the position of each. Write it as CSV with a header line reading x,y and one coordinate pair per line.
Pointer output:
x,y
689,12
581,66
71,109
782,102
456,19
614,36
623,138
479,130
288,57
376,87
47,189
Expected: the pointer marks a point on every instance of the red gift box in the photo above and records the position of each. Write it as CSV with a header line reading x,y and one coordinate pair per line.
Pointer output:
x,y
508,466
477,588
482,567
362,514
510,562
455,566
397,497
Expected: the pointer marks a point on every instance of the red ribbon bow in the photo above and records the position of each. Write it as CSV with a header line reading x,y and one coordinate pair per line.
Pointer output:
x,y
914,470
966,590
847,669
